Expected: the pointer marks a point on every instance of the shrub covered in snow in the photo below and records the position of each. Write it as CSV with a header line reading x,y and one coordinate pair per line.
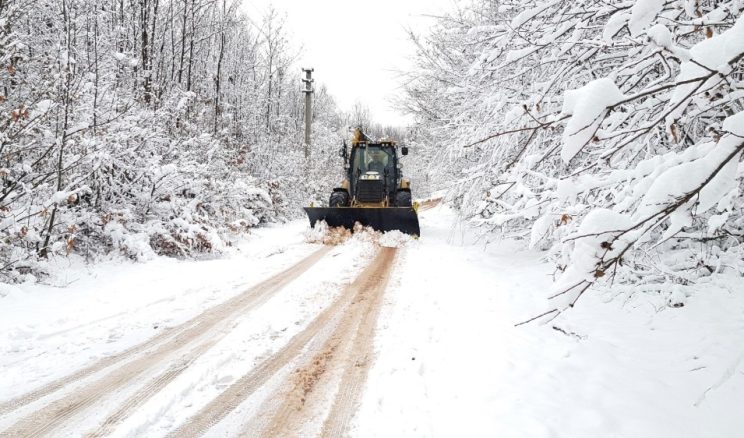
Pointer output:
x,y
608,133
121,141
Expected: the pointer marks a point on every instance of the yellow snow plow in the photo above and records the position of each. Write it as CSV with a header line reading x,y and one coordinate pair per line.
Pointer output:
x,y
373,192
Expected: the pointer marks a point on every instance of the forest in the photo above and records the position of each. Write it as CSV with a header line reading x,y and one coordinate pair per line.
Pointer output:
x,y
148,127
608,133
541,236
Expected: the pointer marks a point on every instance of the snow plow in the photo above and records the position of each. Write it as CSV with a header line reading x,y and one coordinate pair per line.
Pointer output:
x,y
373,192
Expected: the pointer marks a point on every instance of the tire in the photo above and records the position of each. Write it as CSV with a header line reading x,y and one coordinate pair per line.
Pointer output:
x,y
339,199
403,198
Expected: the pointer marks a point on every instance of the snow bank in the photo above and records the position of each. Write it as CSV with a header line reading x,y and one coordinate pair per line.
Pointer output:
x,y
8,289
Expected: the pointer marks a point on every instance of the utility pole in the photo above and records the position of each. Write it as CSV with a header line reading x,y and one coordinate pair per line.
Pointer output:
x,y
308,80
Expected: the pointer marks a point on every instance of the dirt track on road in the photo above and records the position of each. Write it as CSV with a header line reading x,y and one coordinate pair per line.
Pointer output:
x,y
348,351
313,381
191,338
345,333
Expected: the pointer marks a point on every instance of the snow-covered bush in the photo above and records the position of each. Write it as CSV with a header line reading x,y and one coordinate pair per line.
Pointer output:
x,y
606,132
117,140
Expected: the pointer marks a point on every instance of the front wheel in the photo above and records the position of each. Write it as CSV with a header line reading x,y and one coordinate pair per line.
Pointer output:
x,y
403,199
339,199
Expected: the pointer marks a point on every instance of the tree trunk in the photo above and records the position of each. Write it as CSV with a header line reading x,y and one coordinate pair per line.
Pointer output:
x,y
219,67
191,45
145,49
183,40
67,108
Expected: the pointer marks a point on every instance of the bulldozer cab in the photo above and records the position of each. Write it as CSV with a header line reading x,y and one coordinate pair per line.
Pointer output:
x,y
373,162
373,158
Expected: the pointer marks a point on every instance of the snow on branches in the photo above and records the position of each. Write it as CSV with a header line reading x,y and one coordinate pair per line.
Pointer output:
x,y
149,127
587,107
606,132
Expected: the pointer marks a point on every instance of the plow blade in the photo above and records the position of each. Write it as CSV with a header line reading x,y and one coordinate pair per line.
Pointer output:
x,y
403,219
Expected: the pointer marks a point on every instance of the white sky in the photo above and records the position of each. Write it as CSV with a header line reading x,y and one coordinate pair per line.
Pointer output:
x,y
355,46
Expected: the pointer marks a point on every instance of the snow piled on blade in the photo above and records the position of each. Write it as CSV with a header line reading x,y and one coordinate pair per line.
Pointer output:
x,y
587,107
394,239
322,233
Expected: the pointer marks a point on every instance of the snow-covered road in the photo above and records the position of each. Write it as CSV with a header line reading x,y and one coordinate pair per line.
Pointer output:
x,y
375,336
175,348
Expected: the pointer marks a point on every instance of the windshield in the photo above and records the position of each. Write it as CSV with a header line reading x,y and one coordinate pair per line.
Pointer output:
x,y
373,159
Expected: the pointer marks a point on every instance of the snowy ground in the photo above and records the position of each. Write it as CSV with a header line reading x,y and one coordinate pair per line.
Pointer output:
x,y
441,355
91,312
451,363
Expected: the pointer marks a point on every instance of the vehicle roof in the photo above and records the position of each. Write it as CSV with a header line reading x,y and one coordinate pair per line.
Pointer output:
x,y
374,143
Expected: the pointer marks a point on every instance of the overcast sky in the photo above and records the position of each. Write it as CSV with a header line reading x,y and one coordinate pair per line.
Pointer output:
x,y
355,46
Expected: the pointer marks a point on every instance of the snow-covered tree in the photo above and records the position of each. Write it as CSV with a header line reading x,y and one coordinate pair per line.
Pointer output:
x,y
606,132
146,127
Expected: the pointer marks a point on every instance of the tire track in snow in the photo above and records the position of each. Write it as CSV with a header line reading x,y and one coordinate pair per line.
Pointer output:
x,y
429,204
348,349
30,397
55,413
154,386
243,388
358,361
357,306
100,320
